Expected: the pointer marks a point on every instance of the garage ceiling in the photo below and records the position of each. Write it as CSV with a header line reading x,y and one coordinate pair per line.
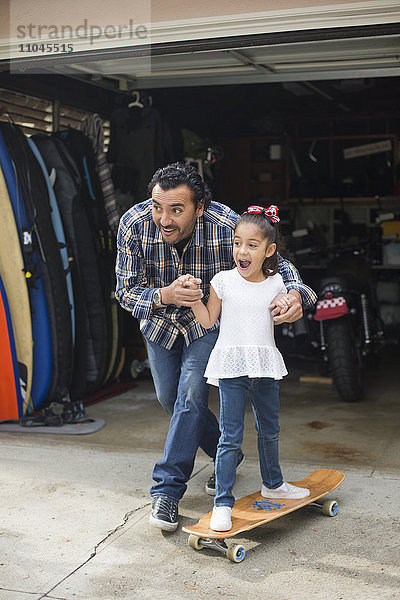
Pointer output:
x,y
356,41
339,41
244,62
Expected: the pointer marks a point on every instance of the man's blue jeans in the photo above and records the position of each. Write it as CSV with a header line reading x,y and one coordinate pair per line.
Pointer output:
x,y
181,388
264,397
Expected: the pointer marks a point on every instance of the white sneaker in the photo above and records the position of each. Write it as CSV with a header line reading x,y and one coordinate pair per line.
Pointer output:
x,y
221,518
286,490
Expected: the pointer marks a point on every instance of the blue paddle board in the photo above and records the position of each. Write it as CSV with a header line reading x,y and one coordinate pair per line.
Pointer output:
x,y
42,342
59,231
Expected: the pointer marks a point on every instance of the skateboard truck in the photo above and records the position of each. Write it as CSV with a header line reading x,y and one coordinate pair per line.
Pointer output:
x,y
329,507
234,553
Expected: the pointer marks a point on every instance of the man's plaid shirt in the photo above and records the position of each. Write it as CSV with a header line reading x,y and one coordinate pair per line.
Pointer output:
x,y
145,262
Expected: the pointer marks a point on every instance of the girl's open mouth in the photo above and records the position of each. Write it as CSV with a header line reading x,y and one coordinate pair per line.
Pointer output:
x,y
244,264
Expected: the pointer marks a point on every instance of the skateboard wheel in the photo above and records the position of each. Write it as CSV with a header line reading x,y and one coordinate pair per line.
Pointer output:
x,y
236,553
194,542
330,508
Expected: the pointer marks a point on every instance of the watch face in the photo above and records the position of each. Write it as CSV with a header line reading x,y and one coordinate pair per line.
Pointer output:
x,y
157,297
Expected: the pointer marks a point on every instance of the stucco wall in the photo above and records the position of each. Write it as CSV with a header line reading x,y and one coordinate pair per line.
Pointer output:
x,y
187,9
103,12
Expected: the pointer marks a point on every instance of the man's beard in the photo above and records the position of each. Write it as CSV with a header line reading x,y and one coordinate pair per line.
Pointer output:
x,y
167,241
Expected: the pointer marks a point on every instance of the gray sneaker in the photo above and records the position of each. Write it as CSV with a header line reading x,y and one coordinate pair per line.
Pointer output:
x,y
210,485
164,513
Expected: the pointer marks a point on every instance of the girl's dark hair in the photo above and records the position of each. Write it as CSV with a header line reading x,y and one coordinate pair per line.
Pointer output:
x,y
176,174
270,232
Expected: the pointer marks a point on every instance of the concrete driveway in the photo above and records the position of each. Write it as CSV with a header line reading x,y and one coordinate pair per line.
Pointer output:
x,y
74,509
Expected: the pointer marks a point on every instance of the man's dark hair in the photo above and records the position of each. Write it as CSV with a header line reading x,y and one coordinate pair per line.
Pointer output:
x,y
176,174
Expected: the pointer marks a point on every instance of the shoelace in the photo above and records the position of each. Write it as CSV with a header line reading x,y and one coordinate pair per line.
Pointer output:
x,y
167,505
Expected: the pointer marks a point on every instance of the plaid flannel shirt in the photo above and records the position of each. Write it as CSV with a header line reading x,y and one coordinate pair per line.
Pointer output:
x,y
146,262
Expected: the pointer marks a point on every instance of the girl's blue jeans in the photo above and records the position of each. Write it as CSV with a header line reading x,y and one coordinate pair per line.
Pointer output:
x,y
263,393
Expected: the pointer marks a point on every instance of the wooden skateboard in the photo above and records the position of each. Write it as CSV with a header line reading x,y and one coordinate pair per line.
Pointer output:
x,y
254,510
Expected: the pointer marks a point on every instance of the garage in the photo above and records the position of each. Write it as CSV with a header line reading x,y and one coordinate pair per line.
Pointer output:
x,y
295,106
230,104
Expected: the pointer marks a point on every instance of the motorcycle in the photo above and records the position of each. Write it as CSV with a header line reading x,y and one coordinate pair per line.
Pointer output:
x,y
350,331
344,324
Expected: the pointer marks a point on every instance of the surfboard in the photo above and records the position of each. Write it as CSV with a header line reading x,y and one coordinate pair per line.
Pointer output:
x,y
14,281
89,311
34,193
11,406
58,229
41,367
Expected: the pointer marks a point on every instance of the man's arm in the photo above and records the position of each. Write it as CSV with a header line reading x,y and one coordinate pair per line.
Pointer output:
x,y
132,289
299,294
292,280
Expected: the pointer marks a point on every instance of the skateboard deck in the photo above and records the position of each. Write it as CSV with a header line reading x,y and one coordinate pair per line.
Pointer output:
x,y
254,510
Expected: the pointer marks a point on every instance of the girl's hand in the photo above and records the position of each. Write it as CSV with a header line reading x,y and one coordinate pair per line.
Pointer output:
x,y
183,291
283,301
290,308
189,282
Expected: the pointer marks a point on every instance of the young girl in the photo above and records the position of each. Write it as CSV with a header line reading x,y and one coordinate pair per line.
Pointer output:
x,y
245,361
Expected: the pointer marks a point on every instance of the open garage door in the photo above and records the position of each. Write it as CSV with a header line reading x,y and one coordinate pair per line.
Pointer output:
x,y
298,106
320,42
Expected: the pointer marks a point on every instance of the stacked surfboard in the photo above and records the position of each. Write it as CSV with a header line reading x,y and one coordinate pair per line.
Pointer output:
x,y
60,327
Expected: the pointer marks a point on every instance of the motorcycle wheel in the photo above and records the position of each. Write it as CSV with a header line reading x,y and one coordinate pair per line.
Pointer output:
x,y
344,359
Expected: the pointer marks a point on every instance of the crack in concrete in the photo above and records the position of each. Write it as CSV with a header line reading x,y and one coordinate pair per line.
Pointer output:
x,y
18,591
2,589
94,553
109,534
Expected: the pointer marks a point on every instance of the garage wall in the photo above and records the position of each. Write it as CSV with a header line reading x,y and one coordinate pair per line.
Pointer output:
x,y
102,12
186,9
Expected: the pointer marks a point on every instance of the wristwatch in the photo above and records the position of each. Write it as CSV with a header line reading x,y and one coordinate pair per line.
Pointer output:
x,y
157,298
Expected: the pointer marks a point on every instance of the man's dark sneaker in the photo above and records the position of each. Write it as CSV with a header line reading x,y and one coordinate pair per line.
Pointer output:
x,y
164,513
240,461
210,485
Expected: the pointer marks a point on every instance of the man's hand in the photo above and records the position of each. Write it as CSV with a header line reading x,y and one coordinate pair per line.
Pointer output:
x,y
188,281
286,308
184,291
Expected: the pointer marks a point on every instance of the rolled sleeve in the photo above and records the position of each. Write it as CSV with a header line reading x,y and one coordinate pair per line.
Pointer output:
x,y
293,281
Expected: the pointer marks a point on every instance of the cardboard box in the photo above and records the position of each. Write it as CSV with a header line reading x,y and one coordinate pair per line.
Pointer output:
x,y
391,228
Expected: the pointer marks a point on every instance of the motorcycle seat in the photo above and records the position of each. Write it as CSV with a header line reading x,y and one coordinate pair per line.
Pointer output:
x,y
346,281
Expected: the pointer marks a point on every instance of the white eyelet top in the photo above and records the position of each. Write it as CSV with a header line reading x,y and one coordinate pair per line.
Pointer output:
x,y
246,344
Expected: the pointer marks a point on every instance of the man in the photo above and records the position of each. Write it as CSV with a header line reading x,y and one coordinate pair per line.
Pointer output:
x,y
181,230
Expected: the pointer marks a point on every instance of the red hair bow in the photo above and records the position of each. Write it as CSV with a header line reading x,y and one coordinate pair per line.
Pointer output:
x,y
271,212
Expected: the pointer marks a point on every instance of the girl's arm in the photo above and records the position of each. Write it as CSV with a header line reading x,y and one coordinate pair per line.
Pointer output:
x,y
207,315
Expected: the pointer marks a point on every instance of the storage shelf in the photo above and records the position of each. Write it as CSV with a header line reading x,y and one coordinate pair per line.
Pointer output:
x,y
240,170
266,163
349,200
374,267
266,183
